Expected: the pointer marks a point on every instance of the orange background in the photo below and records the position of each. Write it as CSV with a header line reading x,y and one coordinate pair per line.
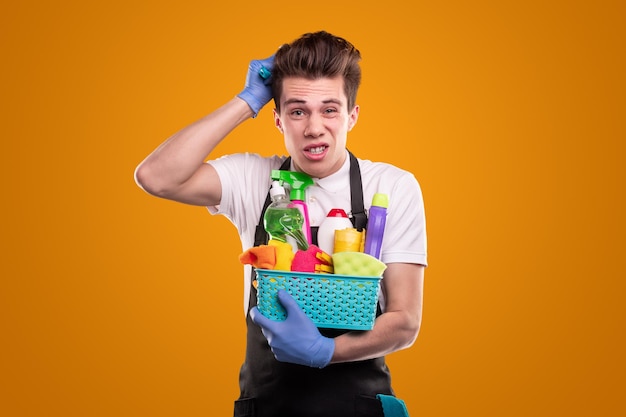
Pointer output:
x,y
510,114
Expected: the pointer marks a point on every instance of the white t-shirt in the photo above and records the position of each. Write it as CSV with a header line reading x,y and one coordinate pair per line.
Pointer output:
x,y
245,179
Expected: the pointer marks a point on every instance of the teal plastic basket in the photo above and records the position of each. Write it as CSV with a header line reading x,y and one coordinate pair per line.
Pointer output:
x,y
331,301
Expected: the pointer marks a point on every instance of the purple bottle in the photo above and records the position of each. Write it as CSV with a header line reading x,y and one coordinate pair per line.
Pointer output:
x,y
376,225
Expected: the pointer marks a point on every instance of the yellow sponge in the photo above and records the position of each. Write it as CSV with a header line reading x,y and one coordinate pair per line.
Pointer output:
x,y
357,263
284,254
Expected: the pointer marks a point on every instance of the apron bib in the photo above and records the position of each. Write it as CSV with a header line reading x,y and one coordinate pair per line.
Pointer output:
x,y
269,388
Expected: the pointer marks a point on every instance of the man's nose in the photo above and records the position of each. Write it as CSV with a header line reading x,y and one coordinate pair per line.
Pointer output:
x,y
314,127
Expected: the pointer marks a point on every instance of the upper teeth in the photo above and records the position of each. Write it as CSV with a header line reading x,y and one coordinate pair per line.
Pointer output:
x,y
319,149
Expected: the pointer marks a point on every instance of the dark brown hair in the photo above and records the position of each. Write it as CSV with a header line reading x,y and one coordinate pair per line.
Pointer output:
x,y
317,55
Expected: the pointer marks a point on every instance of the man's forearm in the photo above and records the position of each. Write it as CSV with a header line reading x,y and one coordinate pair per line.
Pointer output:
x,y
395,329
392,331
177,159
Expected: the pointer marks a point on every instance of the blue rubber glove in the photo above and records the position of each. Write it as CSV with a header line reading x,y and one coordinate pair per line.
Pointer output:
x,y
296,339
258,90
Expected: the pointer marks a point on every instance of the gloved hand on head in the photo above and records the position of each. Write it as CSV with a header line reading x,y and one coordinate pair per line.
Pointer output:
x,y
296,339
258,89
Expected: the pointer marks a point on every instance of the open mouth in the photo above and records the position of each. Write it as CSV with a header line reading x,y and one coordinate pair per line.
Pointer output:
x,y
317,150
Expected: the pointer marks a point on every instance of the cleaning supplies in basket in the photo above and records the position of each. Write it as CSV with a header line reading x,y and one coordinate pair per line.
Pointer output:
x,y
337,286
343,250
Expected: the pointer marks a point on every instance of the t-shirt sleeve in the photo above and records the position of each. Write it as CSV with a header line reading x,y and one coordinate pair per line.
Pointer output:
x,y
245,180
405,230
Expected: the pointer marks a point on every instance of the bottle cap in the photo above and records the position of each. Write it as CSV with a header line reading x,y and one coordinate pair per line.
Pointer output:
x,y
380,200
337,212
277,189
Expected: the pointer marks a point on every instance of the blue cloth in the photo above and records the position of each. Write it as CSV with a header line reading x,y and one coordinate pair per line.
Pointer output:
x,y
392,406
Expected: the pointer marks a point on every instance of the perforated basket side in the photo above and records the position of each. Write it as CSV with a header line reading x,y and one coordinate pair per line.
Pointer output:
x,y
331,301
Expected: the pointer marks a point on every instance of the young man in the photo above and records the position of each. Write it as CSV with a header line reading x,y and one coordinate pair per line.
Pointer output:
x,y
291,367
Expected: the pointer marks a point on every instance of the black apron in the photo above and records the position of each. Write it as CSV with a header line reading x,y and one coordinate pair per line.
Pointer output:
x,y
269,388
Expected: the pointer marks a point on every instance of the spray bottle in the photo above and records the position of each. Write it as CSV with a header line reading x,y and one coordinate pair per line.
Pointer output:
x,y
298,182
376,225
281,220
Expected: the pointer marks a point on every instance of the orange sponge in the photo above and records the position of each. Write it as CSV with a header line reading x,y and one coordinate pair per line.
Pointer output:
x,y
263,256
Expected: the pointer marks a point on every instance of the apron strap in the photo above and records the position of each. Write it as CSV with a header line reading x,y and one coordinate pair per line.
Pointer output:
x,y
359,218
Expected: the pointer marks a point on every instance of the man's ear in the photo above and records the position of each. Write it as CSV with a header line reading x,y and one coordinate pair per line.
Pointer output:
x,y
277,122
354,117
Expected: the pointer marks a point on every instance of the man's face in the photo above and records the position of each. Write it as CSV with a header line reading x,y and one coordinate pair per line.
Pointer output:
x,y
315,122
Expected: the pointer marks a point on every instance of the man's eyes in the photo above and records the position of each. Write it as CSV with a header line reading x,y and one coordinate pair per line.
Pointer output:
x,y
299,113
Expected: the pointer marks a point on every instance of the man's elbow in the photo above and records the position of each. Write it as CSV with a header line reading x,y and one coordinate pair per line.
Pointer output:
x,y
410,330
147,180
413,336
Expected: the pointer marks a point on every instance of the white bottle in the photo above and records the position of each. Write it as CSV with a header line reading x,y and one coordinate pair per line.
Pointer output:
x,y
337,219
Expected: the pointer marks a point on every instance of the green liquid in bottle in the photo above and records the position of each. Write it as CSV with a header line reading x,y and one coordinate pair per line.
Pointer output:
x,y
280,222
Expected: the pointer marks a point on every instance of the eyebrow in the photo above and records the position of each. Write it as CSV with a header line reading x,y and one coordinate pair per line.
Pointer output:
x,y
301,101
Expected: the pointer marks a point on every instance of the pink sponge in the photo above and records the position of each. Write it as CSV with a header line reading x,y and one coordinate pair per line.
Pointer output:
x,y
312,260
